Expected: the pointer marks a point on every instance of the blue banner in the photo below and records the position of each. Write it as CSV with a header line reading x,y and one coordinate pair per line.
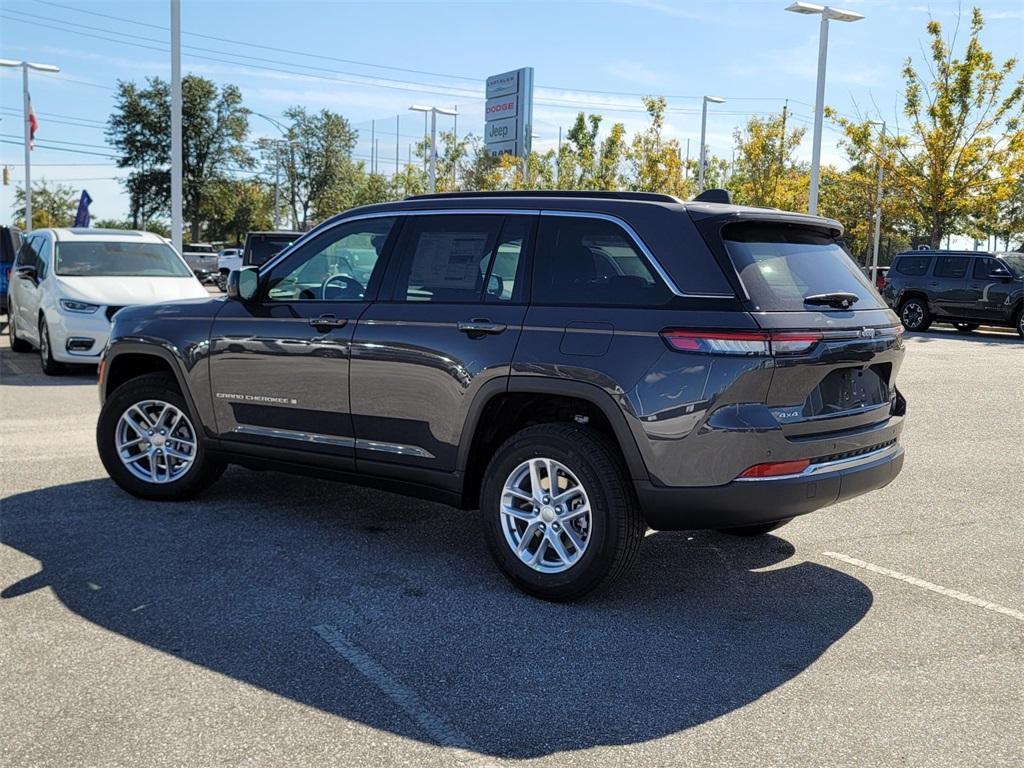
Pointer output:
x,y
82,217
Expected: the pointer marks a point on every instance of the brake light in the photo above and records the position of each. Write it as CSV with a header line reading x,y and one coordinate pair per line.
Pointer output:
x,y
741,342
776,468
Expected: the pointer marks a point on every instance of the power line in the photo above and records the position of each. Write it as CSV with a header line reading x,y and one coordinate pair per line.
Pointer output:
x,y
21,143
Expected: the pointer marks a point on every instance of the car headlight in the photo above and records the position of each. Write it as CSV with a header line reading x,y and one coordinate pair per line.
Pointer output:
x,y
78,306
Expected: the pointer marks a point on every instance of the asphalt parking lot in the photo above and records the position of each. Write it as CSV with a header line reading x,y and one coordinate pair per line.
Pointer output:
x,y
286,621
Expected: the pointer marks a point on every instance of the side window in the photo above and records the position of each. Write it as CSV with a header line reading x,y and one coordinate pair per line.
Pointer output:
x,y
983,268
504,280
27,256
445,258
336,266
952,266
913,266
592,261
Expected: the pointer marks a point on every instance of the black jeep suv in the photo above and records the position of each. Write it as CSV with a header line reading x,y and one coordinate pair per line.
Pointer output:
x,y
965,288
577,366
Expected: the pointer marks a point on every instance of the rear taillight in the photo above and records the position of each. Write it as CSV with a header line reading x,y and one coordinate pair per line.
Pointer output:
x,y
776,469
741,342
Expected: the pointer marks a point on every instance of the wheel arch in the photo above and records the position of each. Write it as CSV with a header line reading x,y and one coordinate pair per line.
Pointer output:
x,y
125,361
504,402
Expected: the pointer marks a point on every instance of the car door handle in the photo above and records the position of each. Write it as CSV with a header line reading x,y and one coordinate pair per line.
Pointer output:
x,y
480,325
328,321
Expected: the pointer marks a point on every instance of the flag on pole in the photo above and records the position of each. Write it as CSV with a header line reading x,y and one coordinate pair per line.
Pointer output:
x,y
82,216
33,124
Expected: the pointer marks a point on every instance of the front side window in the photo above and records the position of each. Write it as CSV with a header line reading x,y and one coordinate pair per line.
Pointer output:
x,y
118,259
592,261
28,256
913,266
336,266
952,266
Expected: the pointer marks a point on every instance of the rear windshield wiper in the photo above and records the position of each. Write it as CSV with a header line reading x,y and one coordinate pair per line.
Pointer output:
x,y
838,299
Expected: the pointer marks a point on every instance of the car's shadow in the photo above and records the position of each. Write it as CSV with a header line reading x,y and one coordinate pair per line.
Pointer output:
x,y
238,581
982,336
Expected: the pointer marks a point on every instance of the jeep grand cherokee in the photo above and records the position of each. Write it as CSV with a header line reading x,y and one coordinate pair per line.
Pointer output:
x,y
577,366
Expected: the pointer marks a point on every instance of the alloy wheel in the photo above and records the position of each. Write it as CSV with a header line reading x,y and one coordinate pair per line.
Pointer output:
x,y
913,315
155,441
546,515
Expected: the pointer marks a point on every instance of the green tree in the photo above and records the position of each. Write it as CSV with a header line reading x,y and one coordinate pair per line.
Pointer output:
x,y
321,178
766,173
655,161
234,207
51,206
214,127
965,126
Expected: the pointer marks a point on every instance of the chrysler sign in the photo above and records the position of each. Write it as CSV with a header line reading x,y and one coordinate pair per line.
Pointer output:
x,y
508,113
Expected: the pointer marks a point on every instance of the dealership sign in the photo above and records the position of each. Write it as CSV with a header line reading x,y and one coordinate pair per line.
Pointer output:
x,y
508,113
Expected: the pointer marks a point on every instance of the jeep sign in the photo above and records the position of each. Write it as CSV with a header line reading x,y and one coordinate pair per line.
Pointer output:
x,y
508,112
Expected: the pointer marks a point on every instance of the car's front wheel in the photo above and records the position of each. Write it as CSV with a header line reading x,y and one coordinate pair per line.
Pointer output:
x,y
17,344
149,444
914,315
50,366
558,511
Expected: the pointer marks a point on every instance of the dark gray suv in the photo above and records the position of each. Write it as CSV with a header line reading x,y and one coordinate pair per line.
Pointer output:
x,y
963,288
577,366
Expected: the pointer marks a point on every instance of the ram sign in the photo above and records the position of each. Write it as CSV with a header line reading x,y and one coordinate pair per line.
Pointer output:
x,y
508,113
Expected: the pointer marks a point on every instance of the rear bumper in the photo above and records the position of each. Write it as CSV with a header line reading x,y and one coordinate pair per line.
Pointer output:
x,y
750,502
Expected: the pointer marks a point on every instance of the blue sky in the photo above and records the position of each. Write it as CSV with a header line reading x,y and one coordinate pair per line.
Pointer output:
x,y
594,56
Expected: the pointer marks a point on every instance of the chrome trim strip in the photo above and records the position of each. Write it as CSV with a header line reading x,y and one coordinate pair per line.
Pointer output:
x,y
343,442
289,434
814,470
403,450
506,212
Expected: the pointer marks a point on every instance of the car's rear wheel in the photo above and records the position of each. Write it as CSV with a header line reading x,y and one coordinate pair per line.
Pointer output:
x,y
914,315
17,344
755,530
966,327
149,444
50,366
558,511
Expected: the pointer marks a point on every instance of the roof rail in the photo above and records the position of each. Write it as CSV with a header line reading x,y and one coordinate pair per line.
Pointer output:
x,y
654,197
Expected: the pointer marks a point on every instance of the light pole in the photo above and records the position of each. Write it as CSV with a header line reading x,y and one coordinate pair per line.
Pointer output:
x,y
703,131
878,203
434,112
27,107
827,14
177,164
277,163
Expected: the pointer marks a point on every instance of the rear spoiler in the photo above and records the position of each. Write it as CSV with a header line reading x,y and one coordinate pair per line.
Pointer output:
x,y
708,216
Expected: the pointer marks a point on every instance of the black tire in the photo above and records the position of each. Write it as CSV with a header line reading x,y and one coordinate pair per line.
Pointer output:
x,y
617,525
965,327
915,316
1019,323
755,530
17,345
50,366
153,386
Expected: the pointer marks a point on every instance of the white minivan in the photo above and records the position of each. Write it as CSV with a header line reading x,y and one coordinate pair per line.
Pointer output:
x,y
67,284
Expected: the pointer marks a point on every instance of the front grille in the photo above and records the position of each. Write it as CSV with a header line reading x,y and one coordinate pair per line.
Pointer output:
x,y
111,311
852,454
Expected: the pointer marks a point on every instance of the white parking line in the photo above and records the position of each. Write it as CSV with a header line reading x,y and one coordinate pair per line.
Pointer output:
x,y
961,596
440,731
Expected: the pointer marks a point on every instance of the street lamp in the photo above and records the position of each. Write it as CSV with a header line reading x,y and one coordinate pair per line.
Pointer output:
x,y
827,14
703,130
26,106
878,202
434,112
277,163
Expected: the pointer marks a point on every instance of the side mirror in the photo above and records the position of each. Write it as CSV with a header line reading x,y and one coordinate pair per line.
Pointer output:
x,y
243,284
26,273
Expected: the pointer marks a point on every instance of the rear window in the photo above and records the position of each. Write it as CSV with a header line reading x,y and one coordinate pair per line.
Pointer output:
x,y
262,248
913,266
780,265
